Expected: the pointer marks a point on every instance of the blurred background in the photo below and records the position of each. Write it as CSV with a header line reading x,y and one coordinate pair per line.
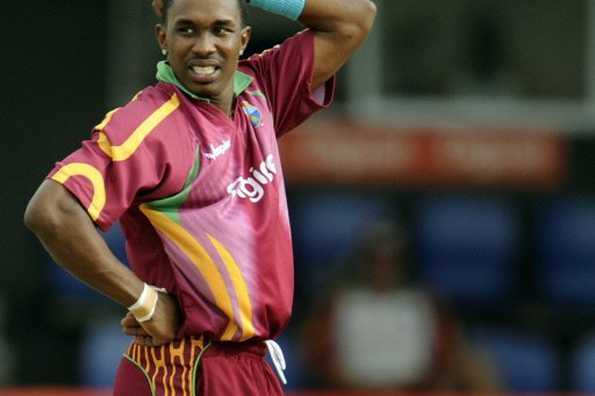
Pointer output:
x,y
443,210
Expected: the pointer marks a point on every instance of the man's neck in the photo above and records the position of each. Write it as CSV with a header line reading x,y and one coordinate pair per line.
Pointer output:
x,y
225,101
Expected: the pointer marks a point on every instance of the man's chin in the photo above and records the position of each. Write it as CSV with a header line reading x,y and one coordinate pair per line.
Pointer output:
x,y
207,91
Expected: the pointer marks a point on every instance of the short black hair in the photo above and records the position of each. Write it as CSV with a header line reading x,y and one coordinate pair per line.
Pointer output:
x,y
241,3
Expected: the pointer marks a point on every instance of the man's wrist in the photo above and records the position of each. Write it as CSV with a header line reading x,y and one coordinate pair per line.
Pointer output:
x,y
144,307
291,9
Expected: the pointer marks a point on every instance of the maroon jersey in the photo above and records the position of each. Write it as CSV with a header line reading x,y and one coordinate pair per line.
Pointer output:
x,y
200,195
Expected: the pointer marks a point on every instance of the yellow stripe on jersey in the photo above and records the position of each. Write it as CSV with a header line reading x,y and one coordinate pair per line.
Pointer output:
x,y
94,176
135,97
107,119
240,287
126,149
108,116
201,259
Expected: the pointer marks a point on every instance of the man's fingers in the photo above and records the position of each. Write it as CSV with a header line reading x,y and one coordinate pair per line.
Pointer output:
x,y
148,341
129,321
135,331
143,340
160,329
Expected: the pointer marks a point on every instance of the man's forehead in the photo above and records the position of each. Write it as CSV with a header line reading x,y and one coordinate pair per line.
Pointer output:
x,y
224,10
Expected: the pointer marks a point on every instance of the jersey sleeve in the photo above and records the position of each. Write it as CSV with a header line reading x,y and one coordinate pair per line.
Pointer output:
x,y
285,73
122,161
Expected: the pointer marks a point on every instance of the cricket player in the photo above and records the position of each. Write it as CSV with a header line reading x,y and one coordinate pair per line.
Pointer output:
x,y
191,169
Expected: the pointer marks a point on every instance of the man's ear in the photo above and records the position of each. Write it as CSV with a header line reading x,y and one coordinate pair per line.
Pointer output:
x,y
245,37
161,36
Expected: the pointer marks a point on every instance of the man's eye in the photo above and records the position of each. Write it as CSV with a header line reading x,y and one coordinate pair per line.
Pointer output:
x,y
222,30
186,30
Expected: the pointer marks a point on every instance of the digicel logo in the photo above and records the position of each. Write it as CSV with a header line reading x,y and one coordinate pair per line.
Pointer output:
x,y
252,187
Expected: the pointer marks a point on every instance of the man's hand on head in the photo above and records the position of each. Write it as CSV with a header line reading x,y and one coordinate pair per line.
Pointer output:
x,y
158,7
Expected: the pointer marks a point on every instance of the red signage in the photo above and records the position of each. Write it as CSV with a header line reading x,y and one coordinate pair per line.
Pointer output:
x,y
333,152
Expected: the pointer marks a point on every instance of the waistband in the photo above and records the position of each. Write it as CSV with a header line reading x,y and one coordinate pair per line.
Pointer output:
x,y
216,348
187,350
171,368
185,353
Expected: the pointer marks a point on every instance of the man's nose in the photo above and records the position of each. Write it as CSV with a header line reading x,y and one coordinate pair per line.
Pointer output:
x,y
204,45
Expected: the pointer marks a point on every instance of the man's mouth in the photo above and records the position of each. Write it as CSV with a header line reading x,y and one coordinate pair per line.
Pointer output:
x,y
204,74
204,70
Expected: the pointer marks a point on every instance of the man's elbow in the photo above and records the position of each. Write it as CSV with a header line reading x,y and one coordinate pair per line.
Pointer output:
x,y
38,216
357,30
44,214
368,15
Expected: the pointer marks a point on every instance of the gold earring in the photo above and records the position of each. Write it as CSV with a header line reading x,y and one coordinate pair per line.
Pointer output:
x,y
164,52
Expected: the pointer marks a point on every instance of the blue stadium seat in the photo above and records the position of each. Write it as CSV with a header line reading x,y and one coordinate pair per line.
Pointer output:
x,y
327,227
101,351
467,247
583,363
525,362
65,285
566,245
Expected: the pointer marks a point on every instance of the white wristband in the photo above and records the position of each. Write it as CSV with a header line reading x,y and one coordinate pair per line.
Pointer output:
x,y
144,308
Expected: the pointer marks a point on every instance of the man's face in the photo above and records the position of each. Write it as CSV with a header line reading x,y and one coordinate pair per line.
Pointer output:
x,y
204,39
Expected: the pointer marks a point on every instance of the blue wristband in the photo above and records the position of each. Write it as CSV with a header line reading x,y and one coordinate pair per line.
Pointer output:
x,y
291,9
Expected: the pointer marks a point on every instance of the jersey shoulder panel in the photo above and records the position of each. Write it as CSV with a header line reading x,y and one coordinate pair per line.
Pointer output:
x,y
124,129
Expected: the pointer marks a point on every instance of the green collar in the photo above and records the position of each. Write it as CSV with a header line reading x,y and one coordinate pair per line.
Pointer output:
x,y
165,73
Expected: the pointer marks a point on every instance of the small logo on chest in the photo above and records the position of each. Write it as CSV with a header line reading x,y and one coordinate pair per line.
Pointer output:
x,y
253,114
217,151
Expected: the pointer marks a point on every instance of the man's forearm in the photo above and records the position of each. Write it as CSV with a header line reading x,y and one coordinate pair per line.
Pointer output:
x,y
70,237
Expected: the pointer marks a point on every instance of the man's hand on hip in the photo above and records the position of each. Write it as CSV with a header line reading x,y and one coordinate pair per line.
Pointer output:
x,y
161,328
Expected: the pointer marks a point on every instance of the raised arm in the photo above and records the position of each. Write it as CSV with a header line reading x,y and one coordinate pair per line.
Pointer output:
x,y
340,27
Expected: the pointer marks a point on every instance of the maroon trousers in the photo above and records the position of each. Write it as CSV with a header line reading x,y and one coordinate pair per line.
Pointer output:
x,y
191,367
